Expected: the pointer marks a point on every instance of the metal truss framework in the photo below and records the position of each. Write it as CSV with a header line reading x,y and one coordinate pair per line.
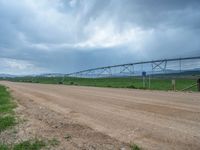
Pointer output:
x,y
164,66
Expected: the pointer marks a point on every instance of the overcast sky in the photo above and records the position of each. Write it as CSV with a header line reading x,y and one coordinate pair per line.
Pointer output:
x,y
44,36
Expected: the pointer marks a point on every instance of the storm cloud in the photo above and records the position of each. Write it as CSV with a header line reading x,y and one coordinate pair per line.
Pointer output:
x,y
70,35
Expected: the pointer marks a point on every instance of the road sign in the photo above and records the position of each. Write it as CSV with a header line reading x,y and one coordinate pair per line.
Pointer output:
x,y
144,74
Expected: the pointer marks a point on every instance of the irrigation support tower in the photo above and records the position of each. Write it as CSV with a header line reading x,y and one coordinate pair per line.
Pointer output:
x,y
162,66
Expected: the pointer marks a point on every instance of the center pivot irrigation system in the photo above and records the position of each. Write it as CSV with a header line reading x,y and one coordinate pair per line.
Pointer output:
x,y
154,67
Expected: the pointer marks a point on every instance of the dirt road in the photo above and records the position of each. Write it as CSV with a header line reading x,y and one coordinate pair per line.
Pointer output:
x,y
152,119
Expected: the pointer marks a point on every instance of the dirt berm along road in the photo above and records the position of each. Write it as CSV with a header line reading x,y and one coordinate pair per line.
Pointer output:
x,y
151,119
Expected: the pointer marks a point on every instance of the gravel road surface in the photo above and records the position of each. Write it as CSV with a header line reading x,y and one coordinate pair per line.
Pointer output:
x,y
151,119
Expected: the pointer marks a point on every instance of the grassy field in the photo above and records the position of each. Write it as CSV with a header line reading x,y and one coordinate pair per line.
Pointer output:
x,y
7,118
126,82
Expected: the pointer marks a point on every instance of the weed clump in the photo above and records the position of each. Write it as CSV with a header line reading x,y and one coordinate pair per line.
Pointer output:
x,y
6,122
135,147
30,145
54,142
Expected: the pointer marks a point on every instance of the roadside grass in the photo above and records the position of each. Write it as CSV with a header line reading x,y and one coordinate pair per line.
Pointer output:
x,y
4,147
157,83
53,142
33,144
30,145
25,145
6,122
7,118
134,147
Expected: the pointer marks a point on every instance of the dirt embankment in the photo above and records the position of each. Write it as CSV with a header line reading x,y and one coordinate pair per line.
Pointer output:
x,y
87,117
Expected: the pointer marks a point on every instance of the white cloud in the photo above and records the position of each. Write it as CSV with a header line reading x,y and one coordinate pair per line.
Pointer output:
x,y
19,67
60,34
108,36
73,3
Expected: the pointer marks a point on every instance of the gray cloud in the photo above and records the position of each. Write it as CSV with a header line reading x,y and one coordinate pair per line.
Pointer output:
x,y
66,36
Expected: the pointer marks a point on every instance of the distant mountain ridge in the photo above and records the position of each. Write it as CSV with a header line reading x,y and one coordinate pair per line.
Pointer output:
x,y
7,75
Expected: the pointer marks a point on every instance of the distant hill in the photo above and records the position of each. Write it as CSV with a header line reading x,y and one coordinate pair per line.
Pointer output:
x,y
7,76
52,75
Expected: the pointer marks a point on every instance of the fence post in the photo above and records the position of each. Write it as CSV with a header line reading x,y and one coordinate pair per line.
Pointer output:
x,y
149,81
174,84
143,76
198,84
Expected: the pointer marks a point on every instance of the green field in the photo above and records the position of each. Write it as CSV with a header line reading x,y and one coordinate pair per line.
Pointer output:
x,y
156,83
7,118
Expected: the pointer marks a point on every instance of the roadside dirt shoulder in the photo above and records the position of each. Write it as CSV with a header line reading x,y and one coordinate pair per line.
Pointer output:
x,y
38,121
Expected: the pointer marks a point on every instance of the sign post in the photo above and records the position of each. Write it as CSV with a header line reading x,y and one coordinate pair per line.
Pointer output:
x,y
149,81
198,84
143,75
173,84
